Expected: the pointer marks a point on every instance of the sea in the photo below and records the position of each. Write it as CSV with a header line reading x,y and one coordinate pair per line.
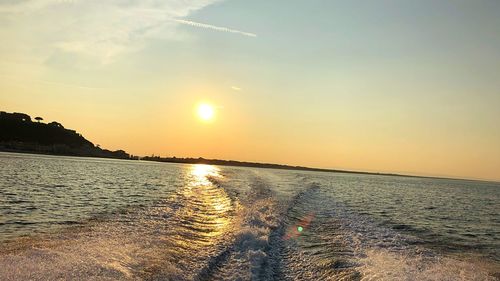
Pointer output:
x,y
75,218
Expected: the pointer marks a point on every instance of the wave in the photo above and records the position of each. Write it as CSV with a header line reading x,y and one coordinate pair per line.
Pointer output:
x,y
381,264
241,224
171,241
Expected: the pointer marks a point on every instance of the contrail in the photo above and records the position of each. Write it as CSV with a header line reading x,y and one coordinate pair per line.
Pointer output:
x,y
213,27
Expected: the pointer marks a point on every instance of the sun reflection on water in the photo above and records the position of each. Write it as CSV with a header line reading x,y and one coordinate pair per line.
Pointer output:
x,y
208,209
200,174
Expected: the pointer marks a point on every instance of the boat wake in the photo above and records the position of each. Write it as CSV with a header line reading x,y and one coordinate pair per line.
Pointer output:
x,y
241,225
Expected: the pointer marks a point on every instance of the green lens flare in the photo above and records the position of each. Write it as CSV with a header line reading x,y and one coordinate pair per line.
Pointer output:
x,y
300,228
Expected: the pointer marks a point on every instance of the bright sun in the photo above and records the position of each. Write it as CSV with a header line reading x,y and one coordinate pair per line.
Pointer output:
x,y
206,112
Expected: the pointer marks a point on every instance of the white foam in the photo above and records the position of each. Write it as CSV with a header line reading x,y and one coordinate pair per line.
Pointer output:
x,y
385,265
249,253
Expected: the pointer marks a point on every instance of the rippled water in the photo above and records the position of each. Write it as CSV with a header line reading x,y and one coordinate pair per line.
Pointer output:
x,y
83,218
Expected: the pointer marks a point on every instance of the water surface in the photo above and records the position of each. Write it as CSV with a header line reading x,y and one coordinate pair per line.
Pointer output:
x,y
101,219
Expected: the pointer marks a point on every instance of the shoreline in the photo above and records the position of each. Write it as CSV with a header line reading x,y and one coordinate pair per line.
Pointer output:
x,y
235,163
10,150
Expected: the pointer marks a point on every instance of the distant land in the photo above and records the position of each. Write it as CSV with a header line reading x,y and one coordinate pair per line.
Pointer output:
x,y
202,160
19,133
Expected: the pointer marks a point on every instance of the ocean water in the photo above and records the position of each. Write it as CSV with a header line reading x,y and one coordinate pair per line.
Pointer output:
x,y
66,218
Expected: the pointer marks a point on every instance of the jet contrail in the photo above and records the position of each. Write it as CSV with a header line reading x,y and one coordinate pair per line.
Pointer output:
x,y
213,27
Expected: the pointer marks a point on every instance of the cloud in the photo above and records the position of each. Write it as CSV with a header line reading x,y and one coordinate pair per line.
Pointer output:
x,y
27,6
234,88
94,28
213,27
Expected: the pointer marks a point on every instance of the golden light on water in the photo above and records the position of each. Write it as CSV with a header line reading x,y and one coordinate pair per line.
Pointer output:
x,y
200,172
208,206
206,112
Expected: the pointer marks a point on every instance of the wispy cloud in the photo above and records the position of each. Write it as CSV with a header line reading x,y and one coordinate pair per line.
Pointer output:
x,y
27,6
95,29
234,88
24,81
213,27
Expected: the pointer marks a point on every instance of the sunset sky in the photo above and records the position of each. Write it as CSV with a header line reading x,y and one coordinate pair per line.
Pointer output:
x,y
387,86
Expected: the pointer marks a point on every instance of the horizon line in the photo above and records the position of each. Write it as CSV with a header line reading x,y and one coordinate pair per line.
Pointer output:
x,y
331,170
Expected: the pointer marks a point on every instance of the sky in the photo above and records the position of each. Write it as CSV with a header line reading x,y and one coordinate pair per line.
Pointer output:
x,y
385,86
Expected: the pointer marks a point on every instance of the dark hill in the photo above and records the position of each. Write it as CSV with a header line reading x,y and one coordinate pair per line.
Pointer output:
x,y
18,133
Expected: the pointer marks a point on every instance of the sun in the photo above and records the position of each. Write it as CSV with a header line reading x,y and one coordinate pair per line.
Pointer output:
x,y
206,112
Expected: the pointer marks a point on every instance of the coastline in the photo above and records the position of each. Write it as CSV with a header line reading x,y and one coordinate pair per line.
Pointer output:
x,y
235,163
